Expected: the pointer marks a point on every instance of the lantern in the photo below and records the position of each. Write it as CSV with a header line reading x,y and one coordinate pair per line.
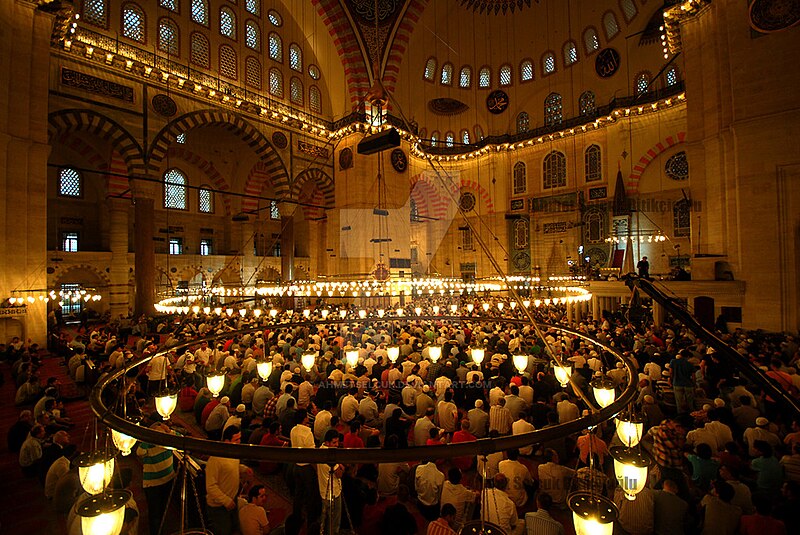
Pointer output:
x,y
470,307
562,374
526,303
342,313
592,515
630,467
351,356
436,309
307,360
629,428
229,312
434,352
500,306
95,470
104,514
306,313
215,383
453,309
418,311
264,368
520,362
165,403
257,312
324,312
477,355
123,442
400,311
604,392
393,352
362,314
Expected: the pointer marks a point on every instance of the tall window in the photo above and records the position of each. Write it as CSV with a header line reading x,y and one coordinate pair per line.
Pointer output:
x,y
593,166
253,7
252,35
414,212
172,5
200,53
430,69
200,12
206,247
520,178
611,25
275,47
315,99
227,62
590,40
253,72
594,225
447,74
523,122
70,183
552,110
466,239
434,138
526,71
549,63
485,78
682,218
671,76
448,139
586,103
133,22
555,170
465,137
570,53
206,200
465,77
296,91
69,242
521,234
505,75
642,83
295,57
176,246
168,37
70,305
227,22
94,12
275,83
175,189
628,9
274,213
478,133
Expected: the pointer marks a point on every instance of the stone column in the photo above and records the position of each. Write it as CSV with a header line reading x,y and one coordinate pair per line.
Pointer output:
x,y
658,313
145,253
118,294
570,312
595,307
287,240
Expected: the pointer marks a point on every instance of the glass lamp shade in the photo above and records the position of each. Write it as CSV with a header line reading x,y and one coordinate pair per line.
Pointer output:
x,y
486,307
436,309
537,303
215,383
242,312
307,360
351,356
453,309
95,470
520,362
604,392
342,313
629,429
526,303
229,312
166,403
513,305
470,307
306,313
273,312
257,312
290,313
393,352
630,467
381,312
477,355
500,306
103,514
418,311
592,515
264,368
123,442
324,313
400,311
434,352
563,374
362,314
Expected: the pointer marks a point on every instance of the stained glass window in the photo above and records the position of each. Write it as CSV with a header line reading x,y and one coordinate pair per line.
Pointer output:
x,y
227,22
274,213
200,12
274,18
296,91
252,35
227,62
553,110
586,103
200,53
671,76
275,47
526,71
523,122
313,72
175,189
520,178
447,74
465,78
593,164
465,137
448,139
570,53
94,12
70,183
168,37
430,69
275,83
555,170
485,78
206,200
253,72
133,22
172,5
677,167
295,57
611,25
642,83
590,40
315,99
505,75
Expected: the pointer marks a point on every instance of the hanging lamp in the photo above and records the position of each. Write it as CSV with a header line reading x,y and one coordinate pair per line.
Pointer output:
x,y
630,467
104,514
604,391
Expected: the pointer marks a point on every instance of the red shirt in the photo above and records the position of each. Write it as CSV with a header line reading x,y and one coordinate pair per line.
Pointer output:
x,y
352,440
463,463
207,411
761,525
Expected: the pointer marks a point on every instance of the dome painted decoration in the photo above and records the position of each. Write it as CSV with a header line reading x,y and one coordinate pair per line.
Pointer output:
x,y
447,106
768,16
494,7
677,167
467,201
497,101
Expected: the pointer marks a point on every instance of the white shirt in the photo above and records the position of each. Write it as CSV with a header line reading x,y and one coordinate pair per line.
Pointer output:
x,y
349,408
458,496
56,471
428,481
321,423
323,475
301,437
501,510
492,464
554,480
517,475
448,415
518,428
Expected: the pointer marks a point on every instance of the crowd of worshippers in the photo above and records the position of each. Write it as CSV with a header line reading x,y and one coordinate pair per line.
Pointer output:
x,y
727,460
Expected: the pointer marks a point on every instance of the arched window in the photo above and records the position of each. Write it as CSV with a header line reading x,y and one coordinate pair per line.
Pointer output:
x,y
593,166
275,83
447,74
296,91
594,225
521,234
94,12
253,72
465,137
423,134
553,110
275,47
642,83
671,77
478,133
168,37
175,189
205,197
227,22
227,62
434,139
449,138
200,53
628,9
485,78
70,183
548,63
295,57
611,25
555,170
526,71
133,22
682,218
313,72
570,53
275,18
465,77
252,35
430,69
200,12
523,122
590,40
520,182
586,103
505,75
253,7
315,99
172,5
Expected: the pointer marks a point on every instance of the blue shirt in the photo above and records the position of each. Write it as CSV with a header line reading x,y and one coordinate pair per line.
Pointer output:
x,y
682,372
770,472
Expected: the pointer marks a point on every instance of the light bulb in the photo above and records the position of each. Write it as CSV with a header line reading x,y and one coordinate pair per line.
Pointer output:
x,y
630,467
394,352
434,352
351,356
520,362
307,360
324,313
215,383
103,514
123,442
306,313
362,314
477,355
470,307
264,368
381,312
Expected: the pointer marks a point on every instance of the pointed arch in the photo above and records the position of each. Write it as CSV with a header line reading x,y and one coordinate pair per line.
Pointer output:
x,y
323,181
632,183
211,172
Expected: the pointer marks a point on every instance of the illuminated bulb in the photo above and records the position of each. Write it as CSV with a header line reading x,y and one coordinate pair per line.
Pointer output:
x,y
537,303
342,313
547,301
604,392
257,312
381,312
629,429
520,362
229,312
195,309
351,356
562,374
290,312
166,403
630,467
218,311
306,313
526,303
477,355
436,309
324,313
470,307
273,312
418,311
95,470
500,306
123,442
400,311
453,309
434,352
264,368
242,312
592,515
215,383
394,352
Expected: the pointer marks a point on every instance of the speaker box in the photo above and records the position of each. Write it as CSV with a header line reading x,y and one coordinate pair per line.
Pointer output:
x,y
388,139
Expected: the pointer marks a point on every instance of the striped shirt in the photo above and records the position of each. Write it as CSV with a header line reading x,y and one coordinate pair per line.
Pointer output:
x,y
500,419
157,464
541,523
440,527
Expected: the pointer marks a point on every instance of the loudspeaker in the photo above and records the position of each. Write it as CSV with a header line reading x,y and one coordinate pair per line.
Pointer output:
x,y
388,139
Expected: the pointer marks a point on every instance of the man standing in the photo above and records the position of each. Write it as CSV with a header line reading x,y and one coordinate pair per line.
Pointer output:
x,y
157,477
330,487
644,268
682,381
306,490
222,488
